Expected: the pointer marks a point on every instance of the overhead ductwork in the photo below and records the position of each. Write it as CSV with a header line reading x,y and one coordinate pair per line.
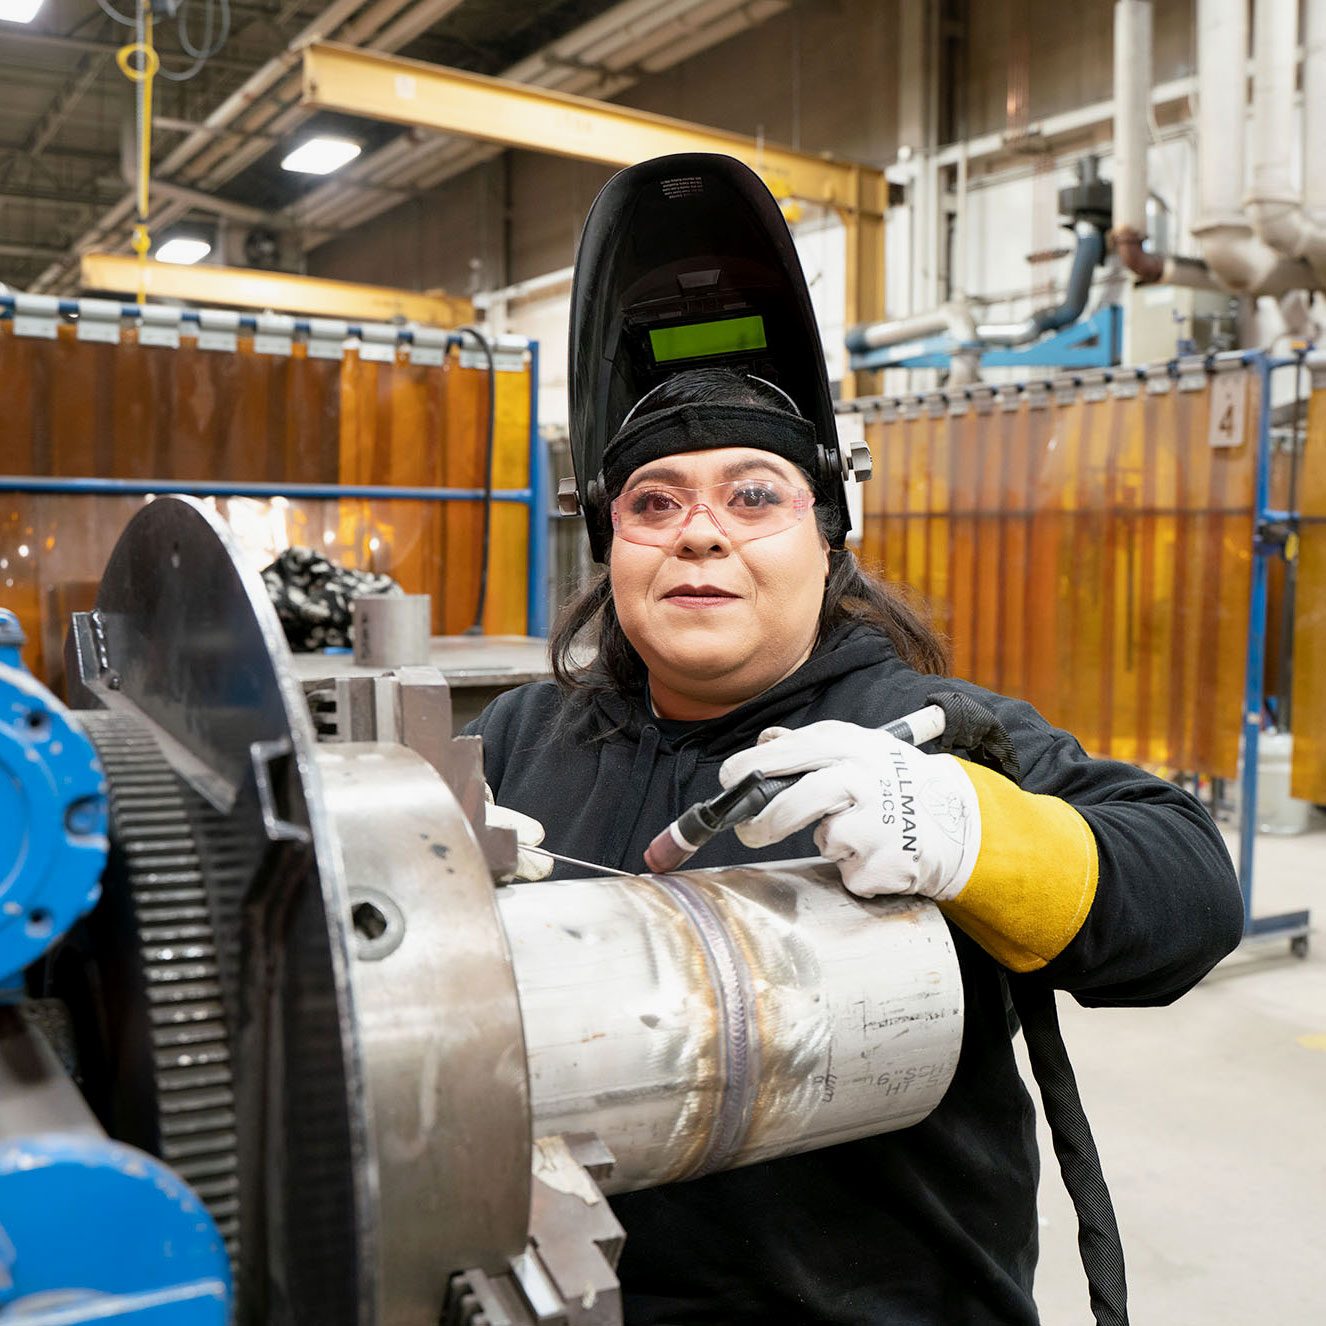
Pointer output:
x,y
1291,221
1243,263
1132,108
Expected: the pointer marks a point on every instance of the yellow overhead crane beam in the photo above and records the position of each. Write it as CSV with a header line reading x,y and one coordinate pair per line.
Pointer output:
x,y
496,110
282,292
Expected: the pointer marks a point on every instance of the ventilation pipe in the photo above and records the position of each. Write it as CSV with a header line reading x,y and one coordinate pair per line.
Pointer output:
x,y
956,319
1132,108
1086,258
1241,261
1314,122
1276,209
953,319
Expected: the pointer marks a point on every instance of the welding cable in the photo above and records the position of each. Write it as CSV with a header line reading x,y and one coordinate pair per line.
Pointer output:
x,y
1098,1241
476,628
209,48
114,13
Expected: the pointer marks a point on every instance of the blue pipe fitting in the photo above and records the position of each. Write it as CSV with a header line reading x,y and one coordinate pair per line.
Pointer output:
x,y
92,1230
52,815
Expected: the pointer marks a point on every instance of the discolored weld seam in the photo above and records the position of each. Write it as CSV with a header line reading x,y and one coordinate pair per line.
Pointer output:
x,y
736,1026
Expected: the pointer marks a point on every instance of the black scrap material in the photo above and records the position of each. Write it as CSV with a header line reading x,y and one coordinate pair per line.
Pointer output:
x,y
312,596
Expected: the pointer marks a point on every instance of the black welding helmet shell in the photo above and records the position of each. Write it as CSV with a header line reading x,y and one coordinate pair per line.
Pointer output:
x,y
687,262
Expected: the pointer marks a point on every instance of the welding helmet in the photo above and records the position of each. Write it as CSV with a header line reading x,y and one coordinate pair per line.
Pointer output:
x,y
686,262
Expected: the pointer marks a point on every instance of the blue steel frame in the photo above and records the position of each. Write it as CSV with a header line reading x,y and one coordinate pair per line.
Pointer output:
x,y
534,498
1293,925
1095,342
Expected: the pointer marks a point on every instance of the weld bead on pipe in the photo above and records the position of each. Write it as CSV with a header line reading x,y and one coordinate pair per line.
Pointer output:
x,y
716,1018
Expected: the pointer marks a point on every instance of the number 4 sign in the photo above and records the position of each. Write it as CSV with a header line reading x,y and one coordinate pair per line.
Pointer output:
x,y
1229,401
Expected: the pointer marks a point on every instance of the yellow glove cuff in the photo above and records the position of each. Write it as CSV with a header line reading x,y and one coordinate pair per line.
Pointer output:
x,y
1035,876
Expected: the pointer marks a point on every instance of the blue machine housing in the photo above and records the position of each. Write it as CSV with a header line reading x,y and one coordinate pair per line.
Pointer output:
x,y
52,815
92,1230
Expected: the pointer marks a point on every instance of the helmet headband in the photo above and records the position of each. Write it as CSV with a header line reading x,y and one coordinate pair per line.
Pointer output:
x,y
706,426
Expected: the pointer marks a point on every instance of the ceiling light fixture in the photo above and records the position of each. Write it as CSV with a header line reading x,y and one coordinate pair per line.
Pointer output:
x,y
183,252
319,156
19,11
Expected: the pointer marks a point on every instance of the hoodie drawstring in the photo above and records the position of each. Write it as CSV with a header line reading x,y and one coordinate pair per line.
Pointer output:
x,y
642,769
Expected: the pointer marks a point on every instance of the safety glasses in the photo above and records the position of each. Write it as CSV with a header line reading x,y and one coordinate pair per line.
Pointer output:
x,y
743,509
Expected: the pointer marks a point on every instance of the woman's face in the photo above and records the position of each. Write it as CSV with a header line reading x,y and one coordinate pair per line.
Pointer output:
x,y
716,621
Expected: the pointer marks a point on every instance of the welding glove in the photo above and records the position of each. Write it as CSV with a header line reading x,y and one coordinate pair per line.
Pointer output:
x,y
1015,870
529,833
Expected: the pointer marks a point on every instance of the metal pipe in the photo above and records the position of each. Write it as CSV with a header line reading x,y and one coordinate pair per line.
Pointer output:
x,y
1314,114
1275,207
716,1018
1086,258
1272,202
1244,263
954,319
1222,50
1132,108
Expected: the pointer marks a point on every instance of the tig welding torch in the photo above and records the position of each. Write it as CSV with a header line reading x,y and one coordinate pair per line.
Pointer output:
x,y
694,827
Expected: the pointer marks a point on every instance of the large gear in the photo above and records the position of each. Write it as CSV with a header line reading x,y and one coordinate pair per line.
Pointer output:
x,y
157,887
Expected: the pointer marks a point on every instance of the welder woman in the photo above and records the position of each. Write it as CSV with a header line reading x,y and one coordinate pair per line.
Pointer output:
x,y
732,630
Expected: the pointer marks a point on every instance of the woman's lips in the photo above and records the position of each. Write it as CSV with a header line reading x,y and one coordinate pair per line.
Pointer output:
x,y
699,596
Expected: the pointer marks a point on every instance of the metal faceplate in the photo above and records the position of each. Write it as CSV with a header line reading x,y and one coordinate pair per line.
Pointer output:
x,y
184,639
340,1144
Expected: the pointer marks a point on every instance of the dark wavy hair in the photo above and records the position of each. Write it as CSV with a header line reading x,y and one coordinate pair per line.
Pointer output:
x,y
852,594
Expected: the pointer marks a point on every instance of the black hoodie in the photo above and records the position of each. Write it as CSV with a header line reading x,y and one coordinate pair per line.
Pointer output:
x,y
935,1224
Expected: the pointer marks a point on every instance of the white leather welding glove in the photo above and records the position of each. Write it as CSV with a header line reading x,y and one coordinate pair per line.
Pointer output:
x,y
894,819
530,866
1017,871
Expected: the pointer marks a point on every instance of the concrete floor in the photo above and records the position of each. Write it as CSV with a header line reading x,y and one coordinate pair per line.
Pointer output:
x,y
1210,1116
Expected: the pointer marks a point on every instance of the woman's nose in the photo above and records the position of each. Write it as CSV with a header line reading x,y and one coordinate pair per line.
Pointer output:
x,y
701,532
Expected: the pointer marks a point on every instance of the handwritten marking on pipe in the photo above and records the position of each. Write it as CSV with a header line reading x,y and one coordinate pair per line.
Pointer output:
x,y
1316,1041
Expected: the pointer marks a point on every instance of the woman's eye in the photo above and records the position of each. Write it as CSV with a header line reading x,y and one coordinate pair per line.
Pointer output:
x,y
652,501
756,495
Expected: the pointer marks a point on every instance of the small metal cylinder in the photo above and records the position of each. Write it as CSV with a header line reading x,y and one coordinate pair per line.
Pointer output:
x,y
715,1018
391,631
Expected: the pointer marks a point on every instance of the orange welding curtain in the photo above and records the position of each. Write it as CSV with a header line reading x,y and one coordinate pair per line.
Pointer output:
x,y
84,409
1308,777
1090,556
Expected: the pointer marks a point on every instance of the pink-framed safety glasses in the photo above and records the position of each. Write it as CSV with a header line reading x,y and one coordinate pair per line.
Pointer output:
x,y
742,509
